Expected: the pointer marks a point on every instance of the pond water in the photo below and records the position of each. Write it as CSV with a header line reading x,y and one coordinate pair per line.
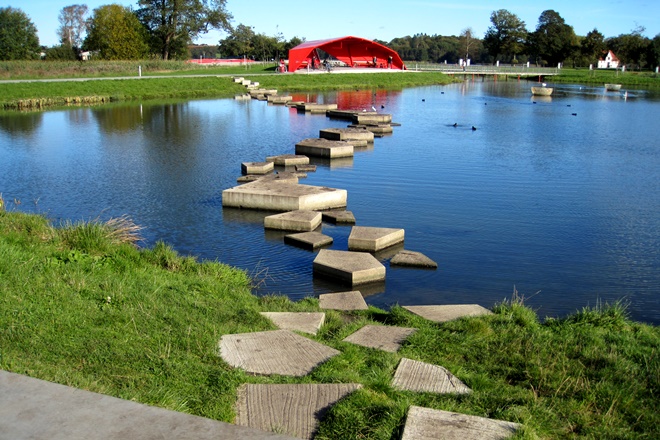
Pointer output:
x,y
559,197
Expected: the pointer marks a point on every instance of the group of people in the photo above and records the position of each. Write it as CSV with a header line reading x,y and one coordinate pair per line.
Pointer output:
x,y
315,63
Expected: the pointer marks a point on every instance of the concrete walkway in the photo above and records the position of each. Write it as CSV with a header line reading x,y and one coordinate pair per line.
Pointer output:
x,y
36,409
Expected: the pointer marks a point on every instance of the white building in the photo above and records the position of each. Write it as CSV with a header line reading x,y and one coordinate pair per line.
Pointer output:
x,y
609,61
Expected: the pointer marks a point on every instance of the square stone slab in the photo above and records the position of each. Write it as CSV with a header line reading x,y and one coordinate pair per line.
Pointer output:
x,y
448,312
386,338
35,409
288,159
293,409
369,239
372,118
274,352
294,221
302,322
343,301
349,267
325,148
257,167
413,259
308,240
352,135
432,424
278,195
342,217
306,168
421,377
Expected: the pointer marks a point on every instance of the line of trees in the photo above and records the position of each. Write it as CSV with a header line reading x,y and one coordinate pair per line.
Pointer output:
x,y
166,29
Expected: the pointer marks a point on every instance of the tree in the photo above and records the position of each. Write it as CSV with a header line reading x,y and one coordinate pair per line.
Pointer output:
x,y
72,25
468,43
175,23
506,36
592,46
18,36
654,52
554,40
239,42
630,48
116,33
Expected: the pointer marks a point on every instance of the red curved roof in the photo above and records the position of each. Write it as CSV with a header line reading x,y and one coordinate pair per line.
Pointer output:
x,y
354,51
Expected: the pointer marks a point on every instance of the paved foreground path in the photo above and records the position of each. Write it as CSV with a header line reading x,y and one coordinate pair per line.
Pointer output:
x,y
36,409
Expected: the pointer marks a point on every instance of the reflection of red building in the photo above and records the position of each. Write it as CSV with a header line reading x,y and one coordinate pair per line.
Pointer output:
x,y
350,100
352,51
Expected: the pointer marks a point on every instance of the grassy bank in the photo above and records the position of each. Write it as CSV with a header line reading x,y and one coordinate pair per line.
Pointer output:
x,y
600,77
82,306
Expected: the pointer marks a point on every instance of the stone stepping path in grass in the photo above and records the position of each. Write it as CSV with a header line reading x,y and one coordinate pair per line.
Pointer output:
x,y
435,424
343,301
294,410
386,338
421,377
448,312
298,321
274,352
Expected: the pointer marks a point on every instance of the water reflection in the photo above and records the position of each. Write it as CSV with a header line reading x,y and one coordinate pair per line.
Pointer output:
x,y
21,124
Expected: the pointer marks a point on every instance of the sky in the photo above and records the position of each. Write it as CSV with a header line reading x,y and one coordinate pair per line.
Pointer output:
x,y
385,19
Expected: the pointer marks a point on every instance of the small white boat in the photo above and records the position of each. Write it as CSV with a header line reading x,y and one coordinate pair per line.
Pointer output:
x,y
613,87
542,91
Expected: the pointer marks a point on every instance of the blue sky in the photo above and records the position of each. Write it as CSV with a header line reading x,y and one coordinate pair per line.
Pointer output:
x,y
386,19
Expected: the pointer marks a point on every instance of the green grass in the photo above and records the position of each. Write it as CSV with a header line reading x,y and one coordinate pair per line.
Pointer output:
x,y
600,77
81,305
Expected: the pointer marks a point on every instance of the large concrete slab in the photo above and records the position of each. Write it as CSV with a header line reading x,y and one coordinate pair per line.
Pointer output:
x,y
36,409
308,240
275,195
274,352
312,107
349,267
448,312
343,301
257,167
346,114
372,118
288,159
376,129
318,147
352,135
340,217
292,409
435,424
421,377
306,322
299,220
279,99
386,338
413,259
264,92
370,239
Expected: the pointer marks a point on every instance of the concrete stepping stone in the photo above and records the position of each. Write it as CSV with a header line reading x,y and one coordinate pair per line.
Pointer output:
x,y
238,79
295,409
343,301
299,321
257,167
356,136
349,267
276,195
242,97
372,118
386,338
435,424
274,352
377,130
306,168
279,99
308,240
370,239
339,217
346,114
314,108
413,259
263,92
318,147
35,409
421,377
299,220
448,312
288,159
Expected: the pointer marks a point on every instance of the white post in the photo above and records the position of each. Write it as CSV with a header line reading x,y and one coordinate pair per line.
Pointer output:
x,y
657,68
591,67
497,63
528,64
139,70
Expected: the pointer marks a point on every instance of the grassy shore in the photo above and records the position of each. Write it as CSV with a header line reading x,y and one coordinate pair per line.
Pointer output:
x,y
601,77
156,85
81,305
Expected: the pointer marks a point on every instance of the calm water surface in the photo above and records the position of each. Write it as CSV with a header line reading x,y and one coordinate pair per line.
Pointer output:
x,y
564,207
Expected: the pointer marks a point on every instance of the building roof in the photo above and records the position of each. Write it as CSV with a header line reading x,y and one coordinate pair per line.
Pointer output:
x,y
353,51
611,54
